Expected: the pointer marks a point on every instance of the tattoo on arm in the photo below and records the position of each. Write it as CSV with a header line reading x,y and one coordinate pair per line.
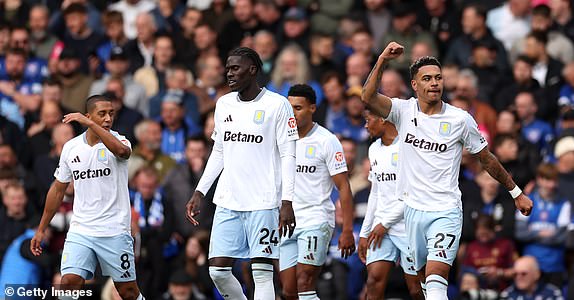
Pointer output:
x,y
491,164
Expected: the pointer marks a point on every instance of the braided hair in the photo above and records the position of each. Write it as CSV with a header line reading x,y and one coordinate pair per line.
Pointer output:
x,y
249,54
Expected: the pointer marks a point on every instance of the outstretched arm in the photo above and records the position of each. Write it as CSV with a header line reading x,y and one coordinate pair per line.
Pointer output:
x,y
376,102
491,164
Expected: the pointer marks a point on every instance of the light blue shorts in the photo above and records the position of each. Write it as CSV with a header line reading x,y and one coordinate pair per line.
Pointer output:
x,y
392,248
306,246
433,235
115,254
245,234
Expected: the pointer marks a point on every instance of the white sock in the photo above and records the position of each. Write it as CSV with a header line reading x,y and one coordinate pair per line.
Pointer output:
x,y
263,279
309,295
436,287
227,285
140,297
424,289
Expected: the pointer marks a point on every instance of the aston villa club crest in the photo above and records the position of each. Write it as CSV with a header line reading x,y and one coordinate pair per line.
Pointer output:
x,y
444,128
102,155
310,151
395,159
259,117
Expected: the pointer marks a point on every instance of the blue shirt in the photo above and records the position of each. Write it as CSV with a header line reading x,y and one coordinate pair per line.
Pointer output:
x,y
539,133
284,89
10,109
342,126
36,70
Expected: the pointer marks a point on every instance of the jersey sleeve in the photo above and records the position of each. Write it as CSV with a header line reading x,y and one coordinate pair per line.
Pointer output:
x,y
472,140
396,110
63,172
334,157
286,126
217,134
125,141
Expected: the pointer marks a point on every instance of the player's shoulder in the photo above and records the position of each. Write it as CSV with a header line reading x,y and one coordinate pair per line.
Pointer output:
x,y
376,145
73,143
456,114
325,136
273,99
226,99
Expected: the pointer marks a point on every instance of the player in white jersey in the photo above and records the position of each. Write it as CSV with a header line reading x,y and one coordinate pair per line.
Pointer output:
x,y
254,150
96,161
432,134
320,166
378,250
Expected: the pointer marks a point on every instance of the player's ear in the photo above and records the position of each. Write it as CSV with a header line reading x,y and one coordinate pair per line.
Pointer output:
x,y
313,108
87,114
414,84
253,70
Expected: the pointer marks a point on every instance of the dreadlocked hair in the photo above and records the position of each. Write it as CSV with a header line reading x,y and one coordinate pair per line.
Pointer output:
x,y
250,54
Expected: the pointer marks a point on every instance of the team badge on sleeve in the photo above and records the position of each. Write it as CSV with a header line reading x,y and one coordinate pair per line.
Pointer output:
x,y
259,117
444,129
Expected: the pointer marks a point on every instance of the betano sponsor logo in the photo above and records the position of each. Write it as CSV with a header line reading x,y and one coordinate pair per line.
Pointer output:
x,y
88,174
229,136
306,169
385,176
424,145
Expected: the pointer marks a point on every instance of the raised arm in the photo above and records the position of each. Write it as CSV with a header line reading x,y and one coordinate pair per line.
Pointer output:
x,y
375,101
491,164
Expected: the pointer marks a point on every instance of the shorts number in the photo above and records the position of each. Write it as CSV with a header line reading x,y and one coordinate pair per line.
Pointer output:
x,y
272,238
312,243
441,237
125,261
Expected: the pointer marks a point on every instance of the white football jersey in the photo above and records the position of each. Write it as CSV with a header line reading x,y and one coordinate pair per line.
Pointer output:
x,y
319,156
101,197
249,133
383,176
431,151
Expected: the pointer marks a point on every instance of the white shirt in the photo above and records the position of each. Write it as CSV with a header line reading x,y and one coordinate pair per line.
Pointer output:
x,y
506,27
130,13
383,176
249,133
101,197
319,156
431,151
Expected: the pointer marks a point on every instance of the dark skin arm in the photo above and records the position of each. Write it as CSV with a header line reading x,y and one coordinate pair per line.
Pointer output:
x,y
376,102
112,143
54,199
346,239
491,164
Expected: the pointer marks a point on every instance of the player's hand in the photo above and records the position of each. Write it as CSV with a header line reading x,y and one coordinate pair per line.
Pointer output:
x,y
346,243
286,219
376,236
192,207
392,51
523,204
363,246
36,243
78,117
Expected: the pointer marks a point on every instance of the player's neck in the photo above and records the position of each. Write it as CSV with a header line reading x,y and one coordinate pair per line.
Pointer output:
x,y
91,137
430,107
250,92
303,131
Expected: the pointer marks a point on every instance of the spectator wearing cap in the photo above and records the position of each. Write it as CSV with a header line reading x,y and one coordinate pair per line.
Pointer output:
x,y
176,127
152,77
75,84
178,81
181,287
291,67
543,233
125,118
528,284
81,37
130,10
114,29
564,153
42,41
18,95
522,81
295,28
117,67
405,31
558,46
352,125
474,28
243,26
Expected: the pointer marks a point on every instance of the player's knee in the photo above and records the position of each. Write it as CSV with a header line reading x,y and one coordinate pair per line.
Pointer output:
x,y
306,278
128,291
262,272
220,274
415,289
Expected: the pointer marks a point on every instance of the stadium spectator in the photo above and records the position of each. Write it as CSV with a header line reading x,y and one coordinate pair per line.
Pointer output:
x,y
295,28
440,19
527,284
219,13
243,26
351,124
153,77
269,14
176,128
357,69
522,81
321,49
130,10
205,40
470,289
15,214
57,22
42,40
115,37
75,84
534,130
564,153
334,105
148,150
505,147
210,82
265,44
40,133
125,118
185,51
140,49
510,21
392,84
181,287
562,17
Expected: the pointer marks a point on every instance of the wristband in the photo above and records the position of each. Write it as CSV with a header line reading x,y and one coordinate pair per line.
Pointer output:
x,y
515,192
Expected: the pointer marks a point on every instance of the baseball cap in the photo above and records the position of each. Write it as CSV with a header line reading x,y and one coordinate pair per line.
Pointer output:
x,y
563,146
118,53
295,14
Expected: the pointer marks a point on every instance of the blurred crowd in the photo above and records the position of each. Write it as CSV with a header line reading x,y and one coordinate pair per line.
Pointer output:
x,y
510,64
